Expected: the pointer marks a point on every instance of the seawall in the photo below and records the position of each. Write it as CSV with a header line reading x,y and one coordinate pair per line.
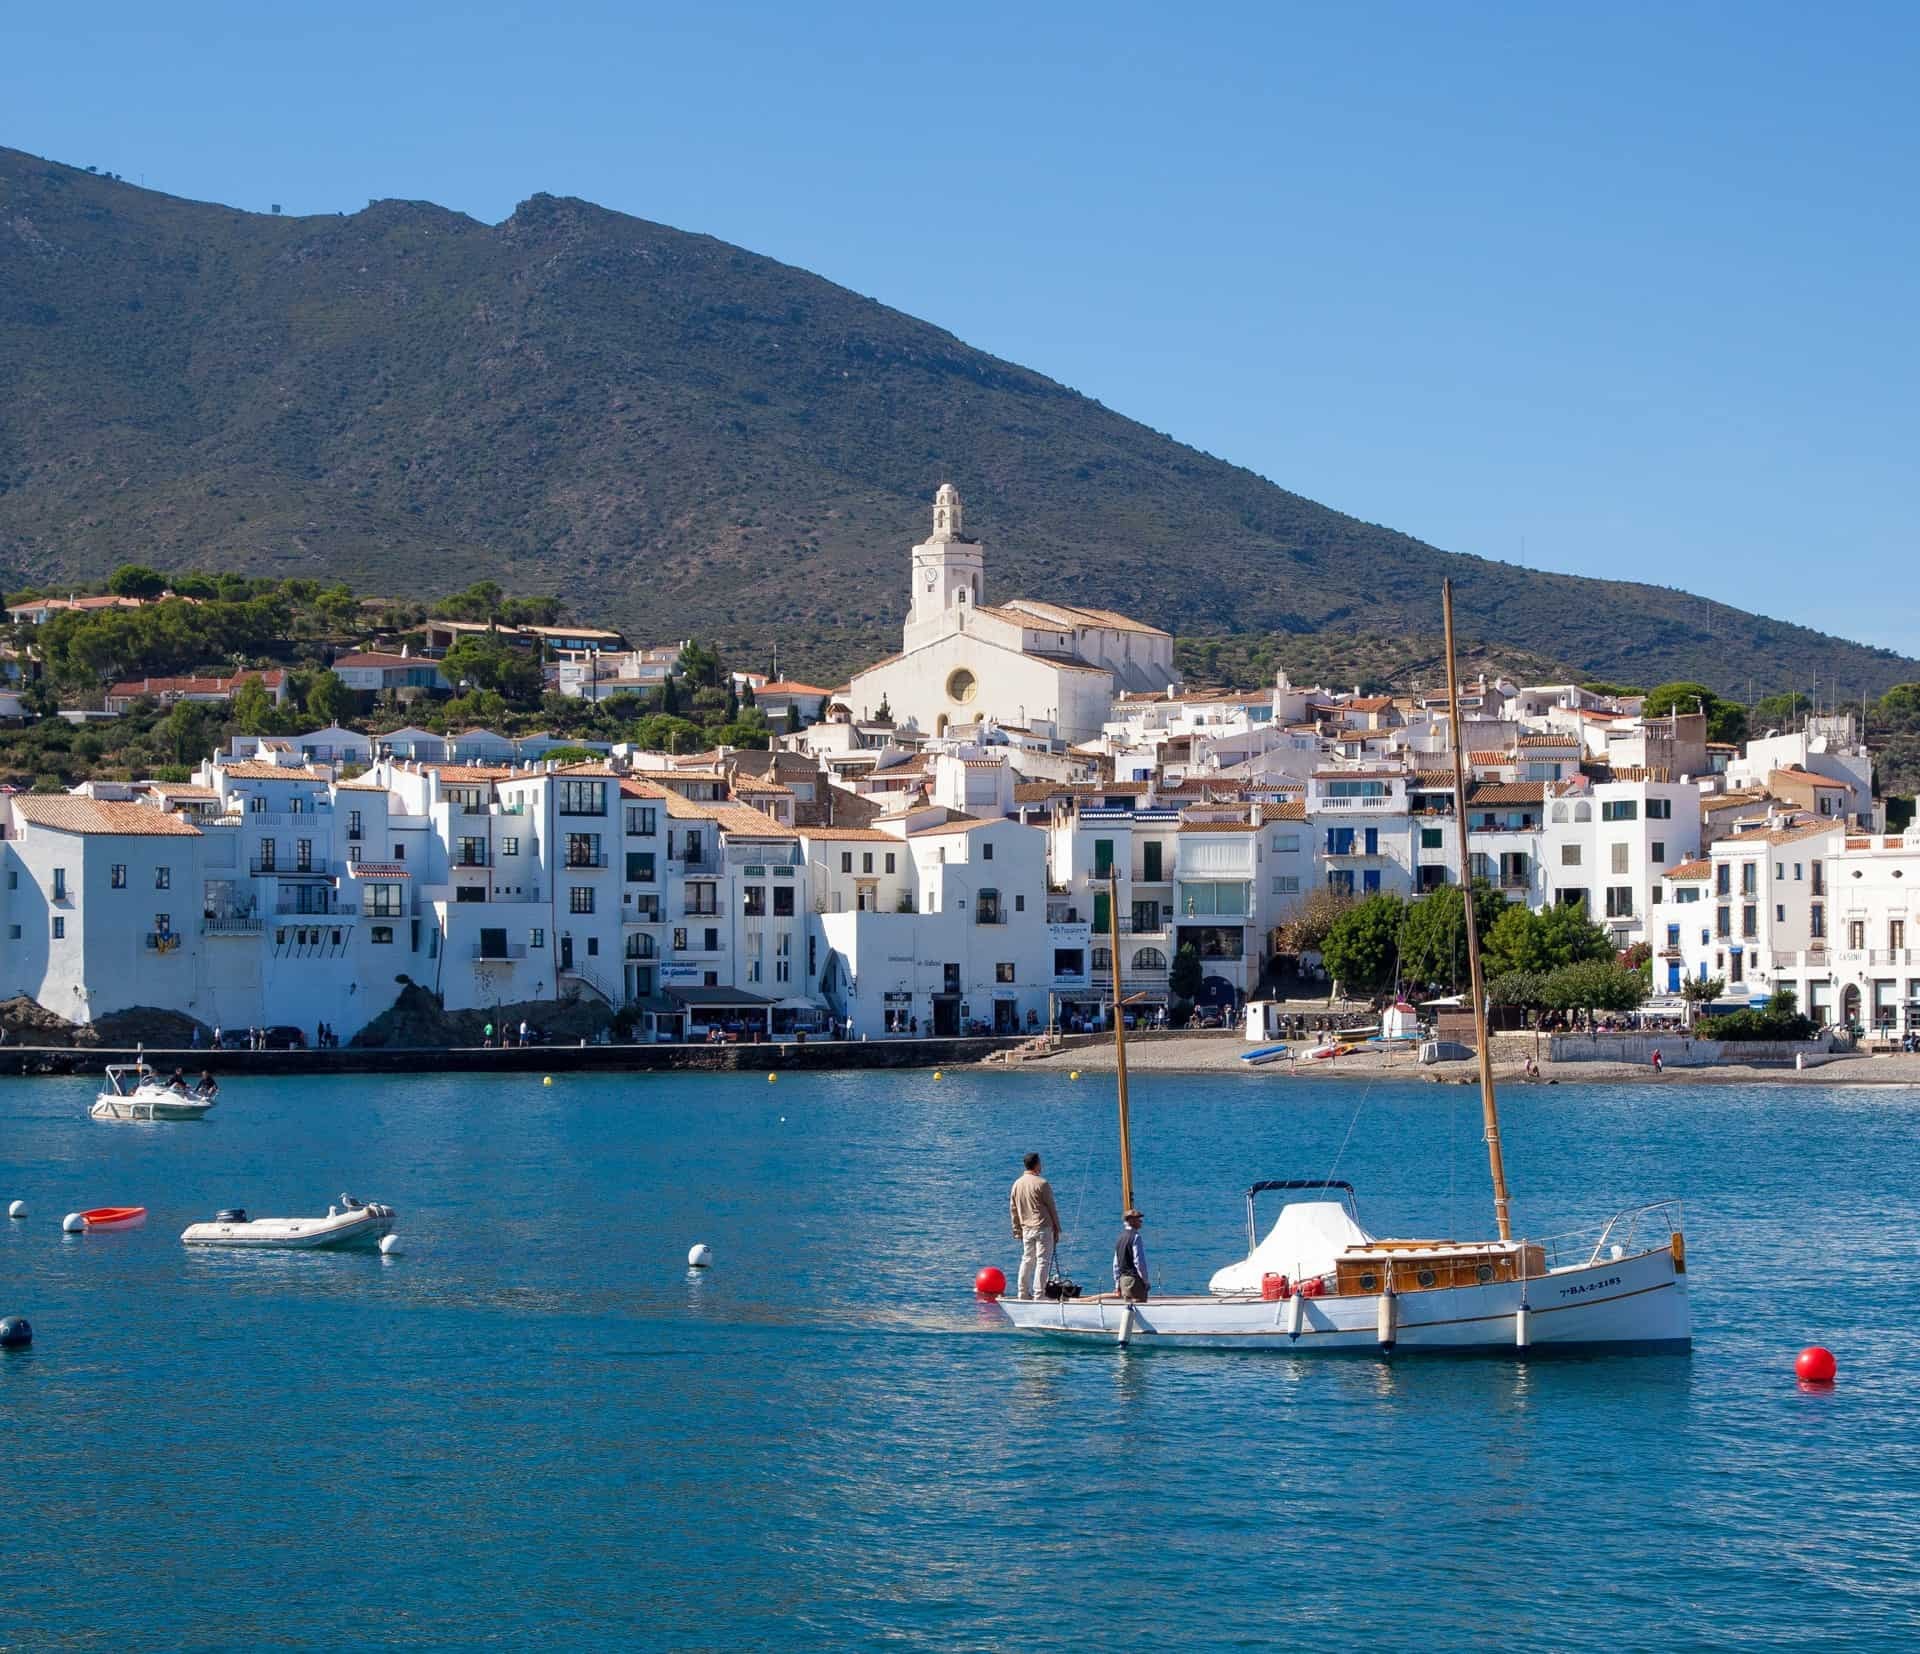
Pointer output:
x,y
768,1056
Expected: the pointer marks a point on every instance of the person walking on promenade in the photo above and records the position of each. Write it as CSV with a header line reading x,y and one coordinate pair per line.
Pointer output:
x,y
1036,1226
1130,1261
1656,1059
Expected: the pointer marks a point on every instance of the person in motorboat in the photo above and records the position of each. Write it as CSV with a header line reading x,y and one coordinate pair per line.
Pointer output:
x,y
1036,1226
178,1083
209,1088
1130,1277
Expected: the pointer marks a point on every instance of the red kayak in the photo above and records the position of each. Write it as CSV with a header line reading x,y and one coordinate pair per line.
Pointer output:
x,y
115,1217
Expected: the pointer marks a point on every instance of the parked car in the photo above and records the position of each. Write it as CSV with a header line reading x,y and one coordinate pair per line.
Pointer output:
x,y
285,1037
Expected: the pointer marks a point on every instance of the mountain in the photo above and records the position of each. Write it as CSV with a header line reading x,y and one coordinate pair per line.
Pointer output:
x,y
671,432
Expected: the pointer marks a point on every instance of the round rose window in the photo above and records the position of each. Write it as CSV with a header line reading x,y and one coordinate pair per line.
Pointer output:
x,y
961,685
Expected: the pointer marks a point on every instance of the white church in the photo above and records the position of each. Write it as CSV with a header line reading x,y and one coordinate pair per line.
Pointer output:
x,y
1053,668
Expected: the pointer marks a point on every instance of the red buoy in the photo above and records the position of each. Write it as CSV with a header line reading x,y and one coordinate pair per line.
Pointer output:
x,y
990,1282
1815,1365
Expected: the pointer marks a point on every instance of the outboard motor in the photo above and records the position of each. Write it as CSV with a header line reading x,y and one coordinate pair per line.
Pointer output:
x,y
231,1214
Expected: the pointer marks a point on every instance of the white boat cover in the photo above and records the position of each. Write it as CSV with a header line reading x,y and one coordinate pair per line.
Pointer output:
x,y
1304,1241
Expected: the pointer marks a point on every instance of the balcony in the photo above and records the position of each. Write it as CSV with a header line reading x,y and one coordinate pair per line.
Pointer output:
x,y
707,863
471,861
1354,849
293,910
271,870
232,924
989,913
580,859
700,910
1322,806
482,954
1516,881
646,912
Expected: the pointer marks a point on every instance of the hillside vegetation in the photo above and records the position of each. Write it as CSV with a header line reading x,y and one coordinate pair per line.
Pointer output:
x,y
673,433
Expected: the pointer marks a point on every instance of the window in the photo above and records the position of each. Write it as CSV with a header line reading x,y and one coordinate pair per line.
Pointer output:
x,y
384,898
580,898
509,846
1340,881
1149,959
755,903
1619,901
1896,934
1569,855
1103,959
986,851
1153,858
1856,934
1817,921
866,861
269,855
353,824
1659,809
1003,972
680,939
118,878
711,943
1430,839
59,884
1819,878
643,819
470,852
1779,870
1799,872
1619,809
1737,968
593,947
1749,878
1618,853
1286,884
383,935
846,861
640,868
583,850
1723,879
1102,857
783,902
1658,851
399,852
1749,920
583,798
59,927
1723,922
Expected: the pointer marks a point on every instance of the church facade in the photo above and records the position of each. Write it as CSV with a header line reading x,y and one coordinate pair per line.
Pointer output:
x,y
1053,668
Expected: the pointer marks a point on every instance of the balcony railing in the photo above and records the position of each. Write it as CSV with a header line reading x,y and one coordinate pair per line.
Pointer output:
x,y
295,911
989,913
485,955
1321,804
707,863
586,858
472,861
700,910
231,924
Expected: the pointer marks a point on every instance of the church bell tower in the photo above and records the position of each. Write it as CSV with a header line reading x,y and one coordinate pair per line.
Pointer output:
x,y
947,572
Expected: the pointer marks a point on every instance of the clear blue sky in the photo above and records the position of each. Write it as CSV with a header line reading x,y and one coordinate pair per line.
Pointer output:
x,y
1623,290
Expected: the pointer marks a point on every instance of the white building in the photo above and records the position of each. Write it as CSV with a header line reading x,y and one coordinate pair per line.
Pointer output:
x,y
1048,667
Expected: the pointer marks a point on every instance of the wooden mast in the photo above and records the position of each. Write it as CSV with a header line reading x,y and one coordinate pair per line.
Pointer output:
x,y
1489,1109
1119,1038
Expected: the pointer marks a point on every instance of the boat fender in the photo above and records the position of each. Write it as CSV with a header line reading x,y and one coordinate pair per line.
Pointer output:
x,y
1389,1319
389,1245
1126,1326
1679,1253
1296,1315
1522,1329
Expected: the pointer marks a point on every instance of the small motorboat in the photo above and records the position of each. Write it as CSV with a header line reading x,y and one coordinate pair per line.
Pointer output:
x,y
1265,1054
351,1225
114,1217
135,1092
1333,1048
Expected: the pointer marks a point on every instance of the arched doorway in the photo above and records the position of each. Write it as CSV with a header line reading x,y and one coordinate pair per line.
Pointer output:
x,y
940,724
1850,1004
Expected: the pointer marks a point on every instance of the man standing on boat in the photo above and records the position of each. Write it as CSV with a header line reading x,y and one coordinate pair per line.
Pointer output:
x,y
1130,1260
1036,1226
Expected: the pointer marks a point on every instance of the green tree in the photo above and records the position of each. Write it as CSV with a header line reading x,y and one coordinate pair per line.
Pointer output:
x,y
252,708
490,662
1595,985
1542,939
328,699
1433,932
479,602
699,665
1526,989
669,698
136,580
1362,948
476,707
1726,720
1702,990
1186,976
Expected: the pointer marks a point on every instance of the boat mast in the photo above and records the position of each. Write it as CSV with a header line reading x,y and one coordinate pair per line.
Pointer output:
x,y
1119,1037
1489,1109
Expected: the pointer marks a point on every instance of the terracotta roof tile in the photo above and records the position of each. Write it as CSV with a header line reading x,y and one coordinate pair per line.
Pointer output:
x,y
1695,869
67,814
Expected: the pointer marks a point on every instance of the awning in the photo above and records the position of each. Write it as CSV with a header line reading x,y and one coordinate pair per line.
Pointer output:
x,y
716,998
379,870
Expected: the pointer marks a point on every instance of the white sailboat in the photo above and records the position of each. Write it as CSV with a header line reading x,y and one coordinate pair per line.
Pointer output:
x,y
1320,1281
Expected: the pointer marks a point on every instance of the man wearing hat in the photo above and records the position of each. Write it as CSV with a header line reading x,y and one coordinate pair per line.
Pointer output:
x,y
1130,1260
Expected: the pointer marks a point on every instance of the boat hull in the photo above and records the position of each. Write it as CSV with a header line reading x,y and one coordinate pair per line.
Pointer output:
x,y
1630,1301
360,1229
147,1105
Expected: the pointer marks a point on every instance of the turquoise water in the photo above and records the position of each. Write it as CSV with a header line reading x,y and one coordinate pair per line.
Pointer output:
x,y
535,1424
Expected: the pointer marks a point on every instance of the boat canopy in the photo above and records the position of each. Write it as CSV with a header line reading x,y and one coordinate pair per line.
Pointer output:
x,y
1304,1242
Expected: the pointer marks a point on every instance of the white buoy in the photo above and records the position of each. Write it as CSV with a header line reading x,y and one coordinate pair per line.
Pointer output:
x,y
17,1210
73,1223
700,1257
389,1244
